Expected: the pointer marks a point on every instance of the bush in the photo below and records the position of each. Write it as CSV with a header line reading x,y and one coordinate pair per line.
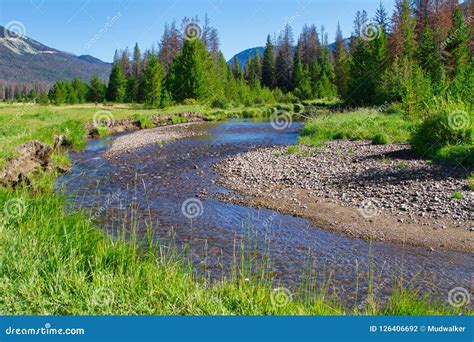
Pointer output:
x,y
444,128
251,113
380,139
177,119
144,122
470,181
456,155
189,102
166,99
298,108
285,107
219,103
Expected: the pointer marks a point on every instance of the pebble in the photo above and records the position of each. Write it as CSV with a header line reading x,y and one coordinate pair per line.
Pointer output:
x,y
368,175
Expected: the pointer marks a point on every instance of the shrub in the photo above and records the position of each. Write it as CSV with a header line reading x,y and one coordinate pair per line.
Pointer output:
x,y
189,102
456,155
444,128
251,113
219,103
293,149
144,122
166,99
470,181
379,139
285,107
178,119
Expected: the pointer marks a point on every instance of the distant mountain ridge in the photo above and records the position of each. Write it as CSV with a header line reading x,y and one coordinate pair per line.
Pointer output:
x,y
243,55
23,59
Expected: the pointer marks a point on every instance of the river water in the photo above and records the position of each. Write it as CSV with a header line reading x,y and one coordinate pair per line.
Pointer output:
x,y
150,185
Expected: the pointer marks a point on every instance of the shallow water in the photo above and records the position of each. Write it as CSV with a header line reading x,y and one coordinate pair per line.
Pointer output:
x,y
156,180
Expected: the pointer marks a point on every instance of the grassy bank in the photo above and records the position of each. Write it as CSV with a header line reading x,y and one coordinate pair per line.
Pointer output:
x,y
54,263
363,124
446,137
20,122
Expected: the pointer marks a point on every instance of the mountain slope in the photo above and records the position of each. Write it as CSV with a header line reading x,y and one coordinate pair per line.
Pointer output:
x,y
23,59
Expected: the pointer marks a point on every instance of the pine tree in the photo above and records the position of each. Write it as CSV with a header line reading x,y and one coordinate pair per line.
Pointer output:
x,y
284,59
152,79
126,64
237,69
428,55
310,44
137,62
341,67
117,84
361,88
188,77
268,65
403,42
381,18
298,72
57,94
254,70
97,88
43,98
379,58
169,45
459,60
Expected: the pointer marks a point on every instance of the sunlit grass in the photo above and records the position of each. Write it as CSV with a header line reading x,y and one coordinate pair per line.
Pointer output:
x,y
362,124
22,122
58,263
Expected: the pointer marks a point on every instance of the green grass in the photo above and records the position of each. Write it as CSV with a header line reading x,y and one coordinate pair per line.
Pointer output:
x,y
457,195
363,124
57,263
470,181
20,122
455,155
144,121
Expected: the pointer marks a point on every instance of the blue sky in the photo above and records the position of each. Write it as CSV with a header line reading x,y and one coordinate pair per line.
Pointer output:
x,y
71,25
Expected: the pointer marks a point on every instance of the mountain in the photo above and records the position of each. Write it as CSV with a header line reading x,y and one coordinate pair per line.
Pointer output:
x,y
23,59
243,55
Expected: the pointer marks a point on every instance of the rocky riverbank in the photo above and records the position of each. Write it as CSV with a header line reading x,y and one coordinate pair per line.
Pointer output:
x,y
375,192
130,142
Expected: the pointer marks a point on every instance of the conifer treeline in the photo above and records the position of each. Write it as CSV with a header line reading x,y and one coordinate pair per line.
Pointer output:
x,y
420,52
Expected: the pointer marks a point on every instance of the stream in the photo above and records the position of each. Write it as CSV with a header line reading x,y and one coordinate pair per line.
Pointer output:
x,y
150,185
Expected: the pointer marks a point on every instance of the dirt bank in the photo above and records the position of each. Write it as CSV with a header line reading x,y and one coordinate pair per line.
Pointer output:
x,y
374,192
118,126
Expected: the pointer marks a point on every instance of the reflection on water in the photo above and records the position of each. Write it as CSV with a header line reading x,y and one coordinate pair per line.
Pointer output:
x,y
156,180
